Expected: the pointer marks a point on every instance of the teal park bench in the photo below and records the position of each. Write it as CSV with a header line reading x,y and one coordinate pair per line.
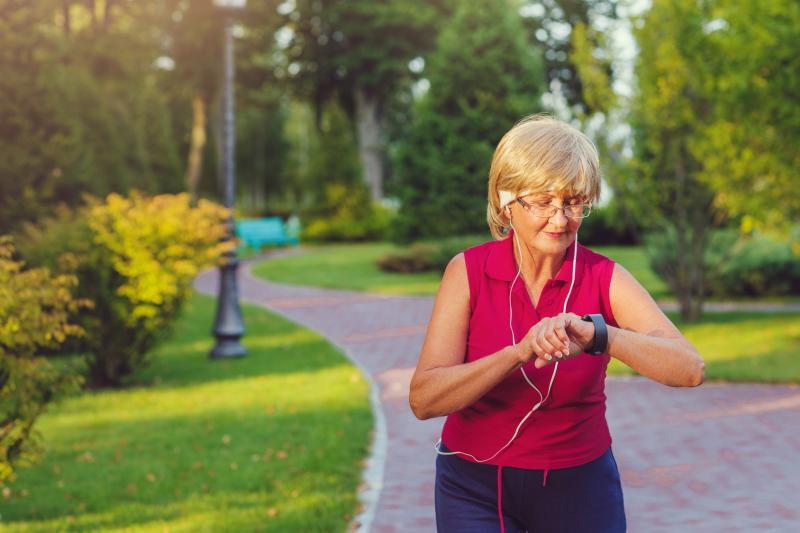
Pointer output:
x,y
257,232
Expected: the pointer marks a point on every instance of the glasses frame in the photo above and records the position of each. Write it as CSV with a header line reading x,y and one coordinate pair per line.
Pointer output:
x,y
553,209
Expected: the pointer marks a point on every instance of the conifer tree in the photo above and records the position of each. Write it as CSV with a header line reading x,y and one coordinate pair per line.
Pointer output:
x,y
484,76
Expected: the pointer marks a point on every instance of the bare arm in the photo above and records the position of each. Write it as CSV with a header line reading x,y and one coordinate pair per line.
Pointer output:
x,y
647,341
443,382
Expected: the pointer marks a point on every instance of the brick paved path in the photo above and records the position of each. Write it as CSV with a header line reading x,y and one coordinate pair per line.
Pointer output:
x,y
715,458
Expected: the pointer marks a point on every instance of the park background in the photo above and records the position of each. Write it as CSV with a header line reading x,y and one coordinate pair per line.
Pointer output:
x,y
373,123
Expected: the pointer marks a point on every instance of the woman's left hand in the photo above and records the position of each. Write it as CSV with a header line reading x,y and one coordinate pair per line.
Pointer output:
x,y
580,333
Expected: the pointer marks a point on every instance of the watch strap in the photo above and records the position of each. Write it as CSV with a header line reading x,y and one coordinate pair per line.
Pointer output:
x,y
600,343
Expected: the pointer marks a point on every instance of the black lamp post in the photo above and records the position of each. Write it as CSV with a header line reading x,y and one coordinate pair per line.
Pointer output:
x,y
228,325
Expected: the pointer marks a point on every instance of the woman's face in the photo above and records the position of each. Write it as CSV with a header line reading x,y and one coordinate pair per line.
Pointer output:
x,y
551,236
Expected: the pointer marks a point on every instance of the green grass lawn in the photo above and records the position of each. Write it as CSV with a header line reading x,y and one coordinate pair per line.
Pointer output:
x,y
347,266
742,347
270,442
352,266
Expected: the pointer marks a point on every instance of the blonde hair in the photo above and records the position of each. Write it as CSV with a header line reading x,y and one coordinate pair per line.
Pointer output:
x,y
541,154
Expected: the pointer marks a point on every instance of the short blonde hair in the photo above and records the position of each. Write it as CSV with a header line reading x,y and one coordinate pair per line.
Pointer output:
x,y
541,154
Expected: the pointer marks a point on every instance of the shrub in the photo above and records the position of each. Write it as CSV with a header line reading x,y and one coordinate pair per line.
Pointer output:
x,y
34,313
734,265
426,256
135,258
345,213
416,258
606,226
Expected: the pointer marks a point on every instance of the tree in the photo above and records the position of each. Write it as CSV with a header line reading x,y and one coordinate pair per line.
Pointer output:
x,y
484,76
712,136
82,108
552,23
749,144
358,51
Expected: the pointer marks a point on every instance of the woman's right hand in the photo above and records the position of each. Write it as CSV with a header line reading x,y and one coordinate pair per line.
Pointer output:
x,y
547,342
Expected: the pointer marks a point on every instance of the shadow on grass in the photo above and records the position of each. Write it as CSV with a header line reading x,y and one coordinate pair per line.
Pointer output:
x,y
274,346
171,466
273,441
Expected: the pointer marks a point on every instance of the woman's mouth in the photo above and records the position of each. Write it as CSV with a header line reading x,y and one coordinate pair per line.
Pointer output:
x,y
554,235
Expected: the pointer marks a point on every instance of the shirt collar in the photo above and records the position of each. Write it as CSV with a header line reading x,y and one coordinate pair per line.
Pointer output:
x,y
500,263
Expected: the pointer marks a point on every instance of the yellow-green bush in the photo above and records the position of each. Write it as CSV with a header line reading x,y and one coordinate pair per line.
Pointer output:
x,y
345,213
135,259
34,313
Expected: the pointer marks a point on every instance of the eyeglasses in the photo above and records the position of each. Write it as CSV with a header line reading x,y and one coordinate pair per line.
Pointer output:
x,y
538,209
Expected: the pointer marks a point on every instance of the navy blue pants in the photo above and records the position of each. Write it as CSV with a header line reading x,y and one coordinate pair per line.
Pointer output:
x,y
583,499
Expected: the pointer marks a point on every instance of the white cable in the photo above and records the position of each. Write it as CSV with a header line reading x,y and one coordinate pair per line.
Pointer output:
x,y
542,399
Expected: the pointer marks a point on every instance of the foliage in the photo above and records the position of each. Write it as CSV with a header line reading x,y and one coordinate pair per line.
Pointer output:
x,y
748,144
426,256
35,309
484,76
734,265
606,226
341,45
135,258
660,185
346,214
553,23
713,123
416,258
341,208
81,107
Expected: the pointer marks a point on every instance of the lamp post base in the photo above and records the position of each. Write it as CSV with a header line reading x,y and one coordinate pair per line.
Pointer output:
x,y
228,325
228,349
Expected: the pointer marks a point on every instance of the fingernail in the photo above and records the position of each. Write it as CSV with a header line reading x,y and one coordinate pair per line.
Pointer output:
x,y
548,357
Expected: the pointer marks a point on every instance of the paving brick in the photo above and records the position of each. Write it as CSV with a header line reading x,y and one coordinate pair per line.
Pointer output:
x,y
720,457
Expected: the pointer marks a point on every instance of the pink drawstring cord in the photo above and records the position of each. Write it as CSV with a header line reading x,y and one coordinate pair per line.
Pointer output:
x,y
544,480
500,498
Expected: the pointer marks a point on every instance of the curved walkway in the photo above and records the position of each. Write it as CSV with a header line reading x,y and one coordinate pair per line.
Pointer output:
x,y
720,457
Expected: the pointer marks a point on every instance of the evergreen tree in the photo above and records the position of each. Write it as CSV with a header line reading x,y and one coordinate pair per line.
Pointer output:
x,y
484,76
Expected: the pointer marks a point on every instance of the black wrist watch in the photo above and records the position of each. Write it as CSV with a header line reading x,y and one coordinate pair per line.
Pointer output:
x,y
600,342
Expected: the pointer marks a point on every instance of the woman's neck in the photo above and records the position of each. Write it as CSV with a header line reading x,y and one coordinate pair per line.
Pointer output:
x,y
537,268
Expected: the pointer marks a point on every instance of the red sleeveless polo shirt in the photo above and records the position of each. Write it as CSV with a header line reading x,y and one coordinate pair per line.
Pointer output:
x,y
570,428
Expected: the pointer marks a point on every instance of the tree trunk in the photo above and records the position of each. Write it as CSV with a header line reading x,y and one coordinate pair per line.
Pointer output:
x,y
690,241
67,21
194,165
92,7
370,140
107,14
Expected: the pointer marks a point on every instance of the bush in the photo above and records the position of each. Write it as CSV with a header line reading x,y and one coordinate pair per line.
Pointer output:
x,y
606,226
755,266
135,258
34,313
345,213
417,258
427,256
734,265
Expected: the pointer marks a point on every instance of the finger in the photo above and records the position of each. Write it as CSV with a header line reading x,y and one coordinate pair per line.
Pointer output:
x,y
557,337
562,331
548,347
539,351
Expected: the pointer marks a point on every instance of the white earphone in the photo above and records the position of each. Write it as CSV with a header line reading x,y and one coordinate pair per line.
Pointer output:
x,y
542,399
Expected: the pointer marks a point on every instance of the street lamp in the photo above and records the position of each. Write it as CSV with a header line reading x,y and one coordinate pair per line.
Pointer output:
x,y
228,325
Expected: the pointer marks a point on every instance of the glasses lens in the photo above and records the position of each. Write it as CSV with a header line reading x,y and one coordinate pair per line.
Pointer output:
x,y
578,211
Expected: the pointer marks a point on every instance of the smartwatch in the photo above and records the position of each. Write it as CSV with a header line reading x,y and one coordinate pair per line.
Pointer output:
x,y
600,341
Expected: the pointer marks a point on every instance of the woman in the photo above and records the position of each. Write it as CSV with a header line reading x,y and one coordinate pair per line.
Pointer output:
x,y
515,354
